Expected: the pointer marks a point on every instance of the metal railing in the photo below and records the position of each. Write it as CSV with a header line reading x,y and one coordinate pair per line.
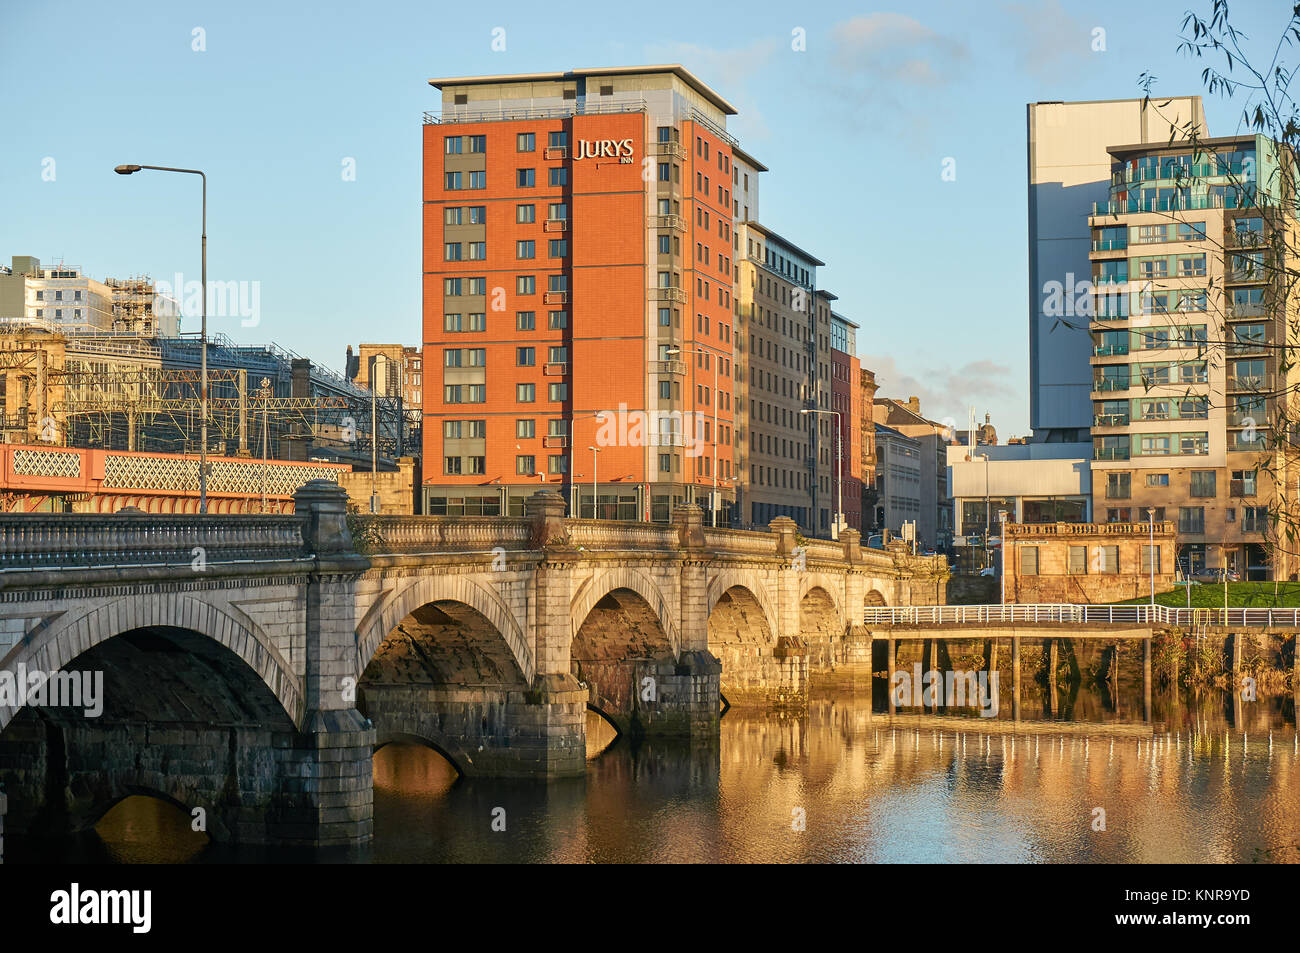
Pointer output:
x,y
452,114
1069,614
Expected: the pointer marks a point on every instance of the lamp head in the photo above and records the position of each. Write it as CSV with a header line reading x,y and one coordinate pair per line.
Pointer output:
x,y
126,169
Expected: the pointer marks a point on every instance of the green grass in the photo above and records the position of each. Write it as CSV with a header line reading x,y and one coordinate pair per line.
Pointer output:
x,y
1250,595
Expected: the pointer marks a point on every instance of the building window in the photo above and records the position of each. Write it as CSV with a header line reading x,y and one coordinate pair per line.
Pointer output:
x,y
1118,486
526,142
525,356
526,249
559,248
1243,483
1254,519
525,429
558,391
477,321
452,145
525,178
1203,483
477,251
478,180
451,465
525,320
1029,560
557,463
558,175
526,465
1191,520
1109,559
451,181
1078,561
525,213
557,140
526,284
525,393
1150,558
452,322
557,320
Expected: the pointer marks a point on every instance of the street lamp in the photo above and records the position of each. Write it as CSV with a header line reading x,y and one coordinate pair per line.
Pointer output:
x,y
203,332
988,558
575,495
713,504
839,467
595,513
265,393
374,421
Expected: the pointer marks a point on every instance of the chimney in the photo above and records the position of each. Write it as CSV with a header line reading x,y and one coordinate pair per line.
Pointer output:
x,y
914,405
351,365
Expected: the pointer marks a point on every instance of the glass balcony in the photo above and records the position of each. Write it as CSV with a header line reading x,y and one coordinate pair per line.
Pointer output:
x,y
1110,420
1110,453
1172,204
1110,244
1114,278
1110,350
1111,384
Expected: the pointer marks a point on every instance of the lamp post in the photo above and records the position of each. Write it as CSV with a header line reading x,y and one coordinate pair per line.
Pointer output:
x,y
1151,551
714,400
839,467
594,489
203,332
265,393
575,497
988,559
374,421
1002,519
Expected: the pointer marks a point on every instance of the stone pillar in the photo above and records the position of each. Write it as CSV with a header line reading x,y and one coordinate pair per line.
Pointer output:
x,y
794,562
326,767
855,582
552,742
692,692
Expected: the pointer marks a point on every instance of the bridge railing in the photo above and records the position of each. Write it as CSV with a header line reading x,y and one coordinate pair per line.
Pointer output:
x,y
397,535
604,534
30,541
1069,614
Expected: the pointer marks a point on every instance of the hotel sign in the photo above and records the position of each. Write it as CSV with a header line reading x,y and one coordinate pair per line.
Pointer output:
x,y
620,149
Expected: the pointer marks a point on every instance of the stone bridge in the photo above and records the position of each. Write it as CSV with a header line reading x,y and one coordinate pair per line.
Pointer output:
x,y
250,665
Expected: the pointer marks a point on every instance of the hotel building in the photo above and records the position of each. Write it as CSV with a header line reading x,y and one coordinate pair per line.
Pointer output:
x,y
603,313
1190,336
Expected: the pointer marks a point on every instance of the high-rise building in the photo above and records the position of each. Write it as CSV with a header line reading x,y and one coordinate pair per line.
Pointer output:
x,y
1069,170
605,314
846,400
1189,340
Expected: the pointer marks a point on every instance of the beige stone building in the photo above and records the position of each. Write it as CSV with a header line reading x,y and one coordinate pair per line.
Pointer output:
x,y
1084,563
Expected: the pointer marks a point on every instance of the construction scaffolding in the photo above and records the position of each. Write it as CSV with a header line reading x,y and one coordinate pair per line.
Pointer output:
x,y
130,392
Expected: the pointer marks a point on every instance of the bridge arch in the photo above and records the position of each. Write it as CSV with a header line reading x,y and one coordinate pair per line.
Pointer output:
x,y
427,589
752,584
55,643
604,582
875,599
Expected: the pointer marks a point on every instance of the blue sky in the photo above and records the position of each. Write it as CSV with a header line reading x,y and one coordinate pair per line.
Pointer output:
x,y
855,130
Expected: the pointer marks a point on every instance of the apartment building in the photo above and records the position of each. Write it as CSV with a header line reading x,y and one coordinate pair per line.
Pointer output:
x,y
63,299
1188,331
898,479
846,402
867,448
579,313
934,522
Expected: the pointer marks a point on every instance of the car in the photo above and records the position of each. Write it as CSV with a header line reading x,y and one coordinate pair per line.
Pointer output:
x,y
990,571
1216,576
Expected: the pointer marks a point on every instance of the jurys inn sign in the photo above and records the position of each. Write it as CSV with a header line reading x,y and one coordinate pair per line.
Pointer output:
x,y
620,149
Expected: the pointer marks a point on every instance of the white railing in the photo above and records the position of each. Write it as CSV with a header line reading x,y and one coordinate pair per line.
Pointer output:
x,y
1067,614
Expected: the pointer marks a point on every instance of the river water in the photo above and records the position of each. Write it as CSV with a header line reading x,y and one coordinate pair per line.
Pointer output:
x,y
1203,782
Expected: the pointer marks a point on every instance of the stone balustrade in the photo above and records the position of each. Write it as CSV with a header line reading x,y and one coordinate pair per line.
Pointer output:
x,y
1017,530
603,534
431,534
73,540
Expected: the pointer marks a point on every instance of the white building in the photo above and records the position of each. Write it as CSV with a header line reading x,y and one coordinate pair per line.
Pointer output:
x,y
898,480
64,299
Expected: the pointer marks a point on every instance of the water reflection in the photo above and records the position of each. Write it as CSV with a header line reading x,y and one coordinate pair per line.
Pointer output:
x,y
1206,781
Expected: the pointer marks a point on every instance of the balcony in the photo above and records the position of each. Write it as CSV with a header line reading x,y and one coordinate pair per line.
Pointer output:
x,y
1250,309
1248,418
1248,347
673,150
555,297
1111,279
1110,244
1107,384
668,294
513,112
1110,420
1233,238
675,222
555,225
1250,383
668,367
1135,206
1110,350
1110,453
1247,276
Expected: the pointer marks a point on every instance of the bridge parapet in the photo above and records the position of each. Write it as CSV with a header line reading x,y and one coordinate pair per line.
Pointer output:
x,y
430,534
76,540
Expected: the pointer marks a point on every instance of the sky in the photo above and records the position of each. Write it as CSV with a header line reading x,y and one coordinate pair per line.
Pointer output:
x,y
307,120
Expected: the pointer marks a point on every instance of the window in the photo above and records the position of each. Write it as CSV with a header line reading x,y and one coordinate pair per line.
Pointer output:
x,y
525,320
558,175
1150,558
526,249
476,286
526,142
1121,515
557,463
558,248
525,178
452,145
1203,483
1109,562
557,282
1254,519
1157,479
451,287
557,140
525,393
451,465
477,251
452,322
525,356
557,355
451,215
1118,486
557,320
525,429
526,465
525,213
1191,520
478,180
1078,561
451,429
451,181
477,321
1029,560
558,391
1243,483
558,212
451,251
476,143
525,284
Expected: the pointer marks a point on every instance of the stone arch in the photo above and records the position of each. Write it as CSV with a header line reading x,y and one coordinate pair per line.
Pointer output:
x,y
831,592
427,589
821,624
423,733
750,582
623,577
875,599
57,642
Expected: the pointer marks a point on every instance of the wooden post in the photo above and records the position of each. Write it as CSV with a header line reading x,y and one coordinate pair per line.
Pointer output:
x,y
1052,695
1015,677
890,663
1146,678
